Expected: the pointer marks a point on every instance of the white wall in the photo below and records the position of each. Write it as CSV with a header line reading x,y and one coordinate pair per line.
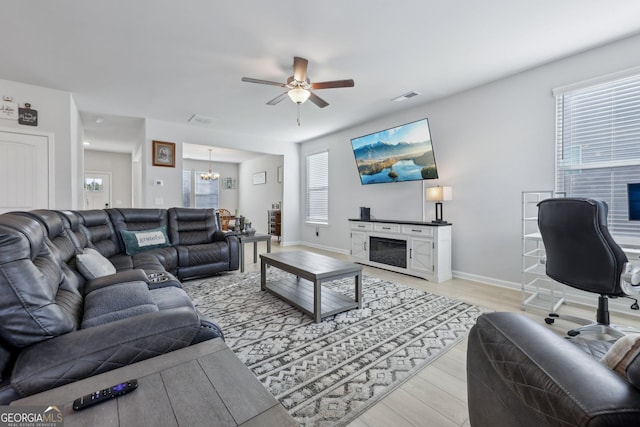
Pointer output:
x,y
57,114
120,167
490,143
256,200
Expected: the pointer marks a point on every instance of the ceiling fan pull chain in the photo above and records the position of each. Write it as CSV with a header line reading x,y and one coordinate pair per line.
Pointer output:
x,y
298,115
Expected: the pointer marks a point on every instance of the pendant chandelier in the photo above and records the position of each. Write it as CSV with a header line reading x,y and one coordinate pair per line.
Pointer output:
x,y
209,176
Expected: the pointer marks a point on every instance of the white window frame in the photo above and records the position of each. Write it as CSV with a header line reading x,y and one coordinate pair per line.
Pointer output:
x,y
317,188
598,143
193,186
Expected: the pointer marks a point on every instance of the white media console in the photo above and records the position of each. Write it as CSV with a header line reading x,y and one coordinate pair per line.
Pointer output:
x,y
421,249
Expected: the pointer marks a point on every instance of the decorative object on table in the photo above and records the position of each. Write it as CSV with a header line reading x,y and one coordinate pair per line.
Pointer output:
x,y
438,194
365,213
8,109
260,178
209,176
248,230
164,154
336,369
27,116
239,225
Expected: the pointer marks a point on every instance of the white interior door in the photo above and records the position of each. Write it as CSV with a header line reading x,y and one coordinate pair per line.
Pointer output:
x,y
24,171
97,190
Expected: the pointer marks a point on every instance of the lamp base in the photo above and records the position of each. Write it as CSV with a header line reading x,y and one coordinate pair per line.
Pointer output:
x,y
439,219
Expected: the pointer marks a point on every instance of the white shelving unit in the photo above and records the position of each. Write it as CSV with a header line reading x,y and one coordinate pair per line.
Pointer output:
x,y
538,290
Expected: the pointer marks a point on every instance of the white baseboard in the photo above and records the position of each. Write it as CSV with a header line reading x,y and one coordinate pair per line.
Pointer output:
x,y
487,280
325,248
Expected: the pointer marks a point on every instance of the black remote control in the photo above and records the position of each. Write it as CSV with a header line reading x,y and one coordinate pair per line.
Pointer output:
x,y
103,395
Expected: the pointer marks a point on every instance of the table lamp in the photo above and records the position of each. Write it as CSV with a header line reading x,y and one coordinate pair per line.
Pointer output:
x,y
438,194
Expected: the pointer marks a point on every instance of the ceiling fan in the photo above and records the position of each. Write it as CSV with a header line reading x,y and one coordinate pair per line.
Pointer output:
x,y
299,86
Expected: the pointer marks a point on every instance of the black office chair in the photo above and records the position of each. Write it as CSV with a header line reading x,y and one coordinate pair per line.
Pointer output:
x,y
581,253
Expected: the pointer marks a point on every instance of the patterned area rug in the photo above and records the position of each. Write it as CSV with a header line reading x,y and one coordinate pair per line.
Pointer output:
x,y
328,373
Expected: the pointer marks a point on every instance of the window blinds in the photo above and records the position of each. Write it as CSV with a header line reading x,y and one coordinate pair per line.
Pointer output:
x,y
317,188
598,146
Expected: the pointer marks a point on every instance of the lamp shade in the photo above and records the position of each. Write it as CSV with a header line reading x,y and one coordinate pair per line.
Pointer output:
x,y
438,194
299,95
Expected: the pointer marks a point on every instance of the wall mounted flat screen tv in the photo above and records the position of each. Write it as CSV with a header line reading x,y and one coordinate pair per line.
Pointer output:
x,y
402,153
633,196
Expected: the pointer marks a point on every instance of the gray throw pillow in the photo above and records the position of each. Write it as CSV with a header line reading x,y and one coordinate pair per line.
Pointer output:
x,y
93,264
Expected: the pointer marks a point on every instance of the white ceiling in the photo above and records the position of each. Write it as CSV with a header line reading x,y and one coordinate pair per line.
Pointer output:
x,y
167,60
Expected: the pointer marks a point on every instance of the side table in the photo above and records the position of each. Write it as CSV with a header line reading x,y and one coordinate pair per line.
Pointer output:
x,y
200,385
255,238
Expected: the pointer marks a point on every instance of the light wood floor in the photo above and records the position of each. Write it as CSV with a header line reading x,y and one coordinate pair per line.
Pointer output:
x,y
437,395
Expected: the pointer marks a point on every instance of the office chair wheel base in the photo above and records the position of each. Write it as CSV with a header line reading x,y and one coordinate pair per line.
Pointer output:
x,y
573,333
549,321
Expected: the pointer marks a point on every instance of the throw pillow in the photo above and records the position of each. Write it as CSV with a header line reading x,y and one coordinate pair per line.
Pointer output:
x,y
144,240
622,353
93,264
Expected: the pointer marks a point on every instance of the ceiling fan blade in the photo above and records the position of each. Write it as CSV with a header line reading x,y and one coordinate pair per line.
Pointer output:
x,y
333,84
277,99
300,68
262,82
317,100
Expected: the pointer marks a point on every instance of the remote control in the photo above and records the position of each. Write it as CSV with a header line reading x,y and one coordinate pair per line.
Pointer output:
x,y
104,395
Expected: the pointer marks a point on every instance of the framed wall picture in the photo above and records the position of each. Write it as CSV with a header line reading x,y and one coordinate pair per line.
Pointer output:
x,y
259,178
164,154
229,184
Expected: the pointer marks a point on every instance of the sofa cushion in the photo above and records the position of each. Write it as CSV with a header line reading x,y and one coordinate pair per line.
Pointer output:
x,y
144,240
93,265
116,302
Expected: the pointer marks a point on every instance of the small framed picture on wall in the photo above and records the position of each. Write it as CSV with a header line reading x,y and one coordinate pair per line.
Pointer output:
x,y
164,154
259,178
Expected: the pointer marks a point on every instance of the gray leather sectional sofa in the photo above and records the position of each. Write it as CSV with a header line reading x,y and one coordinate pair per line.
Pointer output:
x,y
520,373
68,312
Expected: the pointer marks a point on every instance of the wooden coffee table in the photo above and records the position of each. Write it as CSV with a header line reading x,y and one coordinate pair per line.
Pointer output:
x,y
200,385
305,290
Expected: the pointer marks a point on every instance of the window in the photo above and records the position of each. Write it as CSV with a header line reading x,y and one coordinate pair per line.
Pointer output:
x,y
197,192
317,190
598,145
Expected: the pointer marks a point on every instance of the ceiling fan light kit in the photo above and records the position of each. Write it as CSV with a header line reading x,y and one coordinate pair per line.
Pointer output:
x,y
299,95
299,86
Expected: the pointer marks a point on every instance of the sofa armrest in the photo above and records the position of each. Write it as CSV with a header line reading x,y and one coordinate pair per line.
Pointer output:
x,y
520,373
234,249
134,275
87,352
221,236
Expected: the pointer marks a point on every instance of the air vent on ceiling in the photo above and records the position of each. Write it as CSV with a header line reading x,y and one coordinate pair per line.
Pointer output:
x,y
200,120
406,96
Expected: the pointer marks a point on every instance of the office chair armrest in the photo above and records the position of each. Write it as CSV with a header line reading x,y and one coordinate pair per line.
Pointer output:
x,y
630,279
